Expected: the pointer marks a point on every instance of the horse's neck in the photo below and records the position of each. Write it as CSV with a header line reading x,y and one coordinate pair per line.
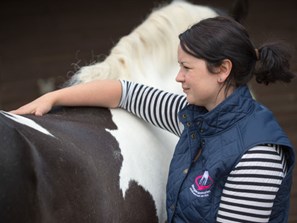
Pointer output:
x,y
149,53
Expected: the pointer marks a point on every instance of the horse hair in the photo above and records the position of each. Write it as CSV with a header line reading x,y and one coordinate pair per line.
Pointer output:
x,y
150,49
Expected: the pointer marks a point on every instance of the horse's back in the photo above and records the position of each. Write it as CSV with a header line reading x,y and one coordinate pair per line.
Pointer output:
x,y
68,175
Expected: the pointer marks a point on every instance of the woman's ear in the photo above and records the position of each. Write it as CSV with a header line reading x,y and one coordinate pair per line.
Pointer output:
x,y
225,70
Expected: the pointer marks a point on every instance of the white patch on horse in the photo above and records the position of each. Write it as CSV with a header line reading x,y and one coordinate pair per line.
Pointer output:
x,y
25,121
146,152
147,55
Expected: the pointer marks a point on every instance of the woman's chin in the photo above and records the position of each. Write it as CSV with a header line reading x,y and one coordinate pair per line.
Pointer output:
x,y
190,100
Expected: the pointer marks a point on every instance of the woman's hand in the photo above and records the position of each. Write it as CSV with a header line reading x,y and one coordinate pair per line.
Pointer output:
x,y
100,93
38,107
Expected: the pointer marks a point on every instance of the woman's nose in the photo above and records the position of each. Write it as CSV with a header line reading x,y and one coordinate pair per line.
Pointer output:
x,y
179,77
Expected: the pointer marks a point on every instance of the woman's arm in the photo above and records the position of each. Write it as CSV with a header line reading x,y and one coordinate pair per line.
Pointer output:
x,y
153,105
101,93
252,186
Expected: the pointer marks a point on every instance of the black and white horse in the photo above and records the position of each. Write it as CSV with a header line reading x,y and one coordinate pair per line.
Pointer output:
x,y
93,164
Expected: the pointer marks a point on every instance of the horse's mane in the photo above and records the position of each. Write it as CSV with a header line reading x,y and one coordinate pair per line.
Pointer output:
x,y
150,49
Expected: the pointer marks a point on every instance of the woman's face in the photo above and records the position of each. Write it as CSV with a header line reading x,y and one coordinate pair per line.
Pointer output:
x,y
201,87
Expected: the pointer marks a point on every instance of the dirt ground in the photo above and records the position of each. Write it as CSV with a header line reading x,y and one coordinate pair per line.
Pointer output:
x,y
43,42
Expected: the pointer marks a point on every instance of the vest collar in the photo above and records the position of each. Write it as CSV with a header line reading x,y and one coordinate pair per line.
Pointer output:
x,y
226,114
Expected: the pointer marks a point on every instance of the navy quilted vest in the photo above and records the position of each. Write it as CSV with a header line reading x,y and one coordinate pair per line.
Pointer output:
x,y
210,146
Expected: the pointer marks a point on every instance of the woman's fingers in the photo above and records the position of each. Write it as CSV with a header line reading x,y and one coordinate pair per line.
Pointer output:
x,y
38,107
35,108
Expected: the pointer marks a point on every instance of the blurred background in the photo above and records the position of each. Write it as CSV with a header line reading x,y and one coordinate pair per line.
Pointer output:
x,y
42,43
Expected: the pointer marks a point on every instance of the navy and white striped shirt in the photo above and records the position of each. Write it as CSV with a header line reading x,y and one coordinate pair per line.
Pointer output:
x,y
251,186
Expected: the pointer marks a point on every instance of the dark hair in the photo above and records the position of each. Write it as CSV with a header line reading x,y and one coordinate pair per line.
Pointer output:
x,y
219,38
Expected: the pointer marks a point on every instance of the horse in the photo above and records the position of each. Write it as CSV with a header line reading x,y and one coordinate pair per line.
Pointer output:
x,y
85,164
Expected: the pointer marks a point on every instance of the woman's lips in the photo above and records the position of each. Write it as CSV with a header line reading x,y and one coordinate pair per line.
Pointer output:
x,y
185,89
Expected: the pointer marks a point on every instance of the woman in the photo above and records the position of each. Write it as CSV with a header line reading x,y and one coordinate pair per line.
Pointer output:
x,y
233,162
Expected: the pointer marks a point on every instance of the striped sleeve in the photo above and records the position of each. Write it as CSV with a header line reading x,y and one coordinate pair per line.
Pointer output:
x,y
153,105
252,186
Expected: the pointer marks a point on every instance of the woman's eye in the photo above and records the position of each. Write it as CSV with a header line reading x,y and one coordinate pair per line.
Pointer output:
x,y
184,67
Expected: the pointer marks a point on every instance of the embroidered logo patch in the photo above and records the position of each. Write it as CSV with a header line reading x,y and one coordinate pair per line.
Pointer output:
x,y
202,185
